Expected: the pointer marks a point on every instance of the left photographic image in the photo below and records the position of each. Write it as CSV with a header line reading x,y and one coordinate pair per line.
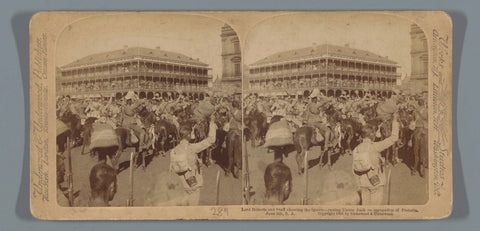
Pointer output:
x,y
148,111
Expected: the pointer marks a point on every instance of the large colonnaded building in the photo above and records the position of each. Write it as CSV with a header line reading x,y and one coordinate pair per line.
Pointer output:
x,y
332,69
142,70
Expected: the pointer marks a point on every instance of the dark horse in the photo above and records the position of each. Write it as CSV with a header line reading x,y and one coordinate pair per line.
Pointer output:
x,y
73,122
385,130
257,126
227,150
234,151
200,130
166,136
351,130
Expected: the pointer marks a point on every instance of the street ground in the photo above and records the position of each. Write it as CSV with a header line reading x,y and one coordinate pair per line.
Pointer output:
x,y
337,185
144,181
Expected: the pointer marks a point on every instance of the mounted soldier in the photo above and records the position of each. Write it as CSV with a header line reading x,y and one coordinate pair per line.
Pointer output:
x,y
130,119
317,118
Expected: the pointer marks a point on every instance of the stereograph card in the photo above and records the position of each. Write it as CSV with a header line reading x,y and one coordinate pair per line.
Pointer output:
x,y
241,115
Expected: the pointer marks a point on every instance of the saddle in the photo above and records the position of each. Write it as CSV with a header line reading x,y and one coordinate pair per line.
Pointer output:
x,y
317,137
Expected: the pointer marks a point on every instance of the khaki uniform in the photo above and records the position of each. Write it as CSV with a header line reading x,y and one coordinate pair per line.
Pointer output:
x,y
373,194
130,122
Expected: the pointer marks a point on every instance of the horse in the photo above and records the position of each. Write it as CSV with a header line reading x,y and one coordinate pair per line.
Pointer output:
x,y
305,138
420,150
200,130
86,131
384,130
62,140
405,118
256,123
350,130
148,119
166,138
124,138
417,139
234,150
73,122
110,145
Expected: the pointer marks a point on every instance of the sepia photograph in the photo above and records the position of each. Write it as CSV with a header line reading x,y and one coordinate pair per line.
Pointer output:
x,y
148,111
220,115
335,110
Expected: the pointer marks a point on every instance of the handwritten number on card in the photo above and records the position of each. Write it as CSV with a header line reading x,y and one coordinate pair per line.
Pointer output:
x,y
219,211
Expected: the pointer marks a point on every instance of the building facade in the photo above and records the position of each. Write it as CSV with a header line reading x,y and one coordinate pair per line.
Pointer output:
x,y
142,70
231,60
419,53
331,69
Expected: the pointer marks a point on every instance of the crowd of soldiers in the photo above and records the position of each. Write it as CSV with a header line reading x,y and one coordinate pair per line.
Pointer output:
x,y
128,113
403,111
303,109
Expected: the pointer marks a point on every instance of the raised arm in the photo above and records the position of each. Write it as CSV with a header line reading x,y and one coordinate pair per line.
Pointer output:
x,y
384,144
210,140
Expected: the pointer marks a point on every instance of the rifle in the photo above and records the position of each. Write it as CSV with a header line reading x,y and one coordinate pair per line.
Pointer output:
x,y
218,188
246,177
305,172
389,174
130,197
69,175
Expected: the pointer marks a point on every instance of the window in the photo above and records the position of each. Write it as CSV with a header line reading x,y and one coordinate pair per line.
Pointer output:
x,y
237,69
236,46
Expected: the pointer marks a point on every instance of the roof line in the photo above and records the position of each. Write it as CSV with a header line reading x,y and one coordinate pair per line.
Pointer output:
x,y
374,58
134,55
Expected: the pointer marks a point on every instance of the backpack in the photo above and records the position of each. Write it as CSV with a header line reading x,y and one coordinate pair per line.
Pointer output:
x,y
361,161
184,166
179,162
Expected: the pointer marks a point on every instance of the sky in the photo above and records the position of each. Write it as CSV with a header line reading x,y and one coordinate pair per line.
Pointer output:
x,y
194,36
381,34
199,37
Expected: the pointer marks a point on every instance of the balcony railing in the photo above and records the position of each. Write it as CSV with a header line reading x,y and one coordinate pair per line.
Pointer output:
x,y
138,72
323,85
330,69
130,86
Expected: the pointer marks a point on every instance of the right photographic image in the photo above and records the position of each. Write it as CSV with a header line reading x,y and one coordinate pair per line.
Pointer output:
x,y
335,110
